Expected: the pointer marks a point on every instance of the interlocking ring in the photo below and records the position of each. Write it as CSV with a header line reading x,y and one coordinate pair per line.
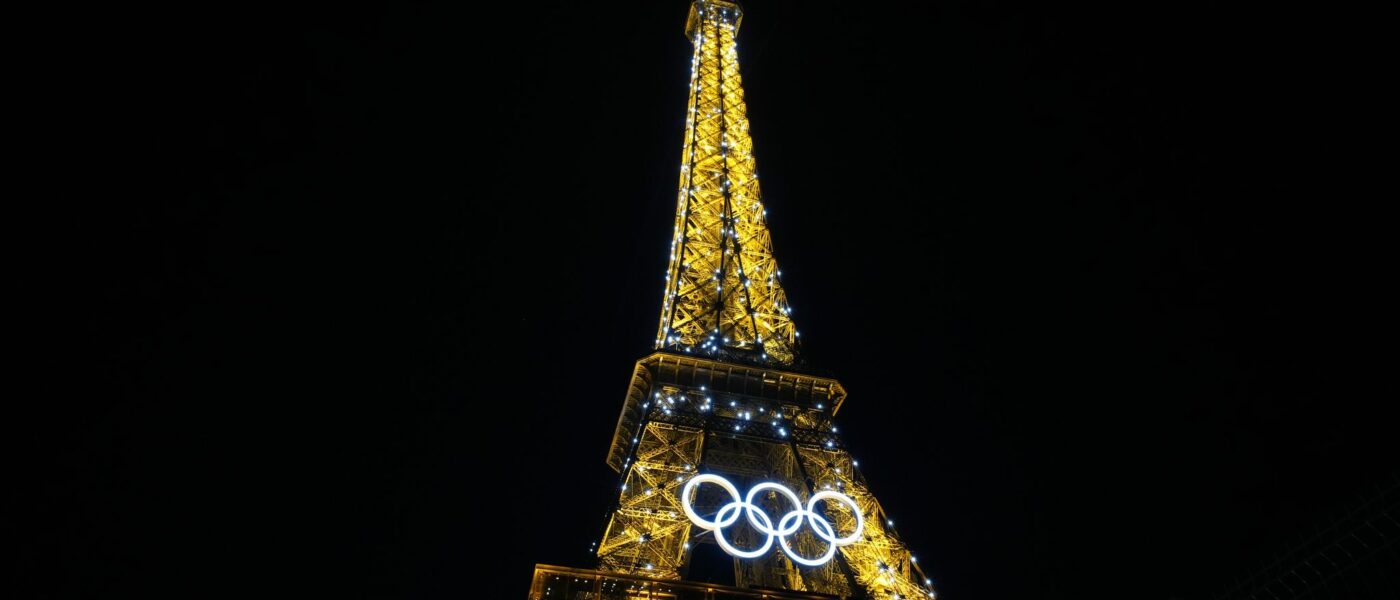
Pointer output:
x,y
760,521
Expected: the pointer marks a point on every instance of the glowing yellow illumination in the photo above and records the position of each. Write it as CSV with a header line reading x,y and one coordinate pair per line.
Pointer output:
x,y
727,353
722,295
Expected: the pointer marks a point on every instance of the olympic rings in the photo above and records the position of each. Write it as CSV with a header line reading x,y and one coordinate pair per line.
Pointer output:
x,y
761,522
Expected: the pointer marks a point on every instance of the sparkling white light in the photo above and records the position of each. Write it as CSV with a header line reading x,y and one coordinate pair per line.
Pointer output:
x,y
761,522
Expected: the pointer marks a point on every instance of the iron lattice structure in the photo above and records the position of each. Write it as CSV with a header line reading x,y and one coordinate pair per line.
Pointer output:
x,y
722,297
722,394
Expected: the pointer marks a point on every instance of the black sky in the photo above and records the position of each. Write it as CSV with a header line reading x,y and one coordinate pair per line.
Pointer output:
x,y
356,291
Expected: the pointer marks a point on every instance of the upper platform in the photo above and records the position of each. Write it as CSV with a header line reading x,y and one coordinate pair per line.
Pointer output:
x,y
806,401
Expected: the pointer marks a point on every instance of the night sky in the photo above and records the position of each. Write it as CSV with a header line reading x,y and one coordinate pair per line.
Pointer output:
x,y
356,292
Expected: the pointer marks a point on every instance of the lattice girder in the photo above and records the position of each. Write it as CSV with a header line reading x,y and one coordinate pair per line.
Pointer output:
x,y
880,562
722,296
722,395
648,531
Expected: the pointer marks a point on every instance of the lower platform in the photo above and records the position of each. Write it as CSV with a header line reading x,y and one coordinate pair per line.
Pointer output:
x,y
565,583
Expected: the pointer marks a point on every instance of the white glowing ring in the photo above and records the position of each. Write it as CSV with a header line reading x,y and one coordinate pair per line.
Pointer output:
x,y
839,497
762,523
719,518
753,510
818,524
730,548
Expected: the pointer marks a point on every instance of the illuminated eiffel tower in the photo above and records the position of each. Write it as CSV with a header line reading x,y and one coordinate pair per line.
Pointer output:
x,y
723,406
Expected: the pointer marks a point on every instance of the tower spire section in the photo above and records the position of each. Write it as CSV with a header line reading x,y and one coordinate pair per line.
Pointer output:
x,y
723,296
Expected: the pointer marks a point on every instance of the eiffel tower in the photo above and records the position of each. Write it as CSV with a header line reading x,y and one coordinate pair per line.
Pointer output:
x,y
723,437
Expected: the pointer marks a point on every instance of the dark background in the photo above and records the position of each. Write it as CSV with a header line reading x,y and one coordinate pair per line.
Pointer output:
x,y
349,295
